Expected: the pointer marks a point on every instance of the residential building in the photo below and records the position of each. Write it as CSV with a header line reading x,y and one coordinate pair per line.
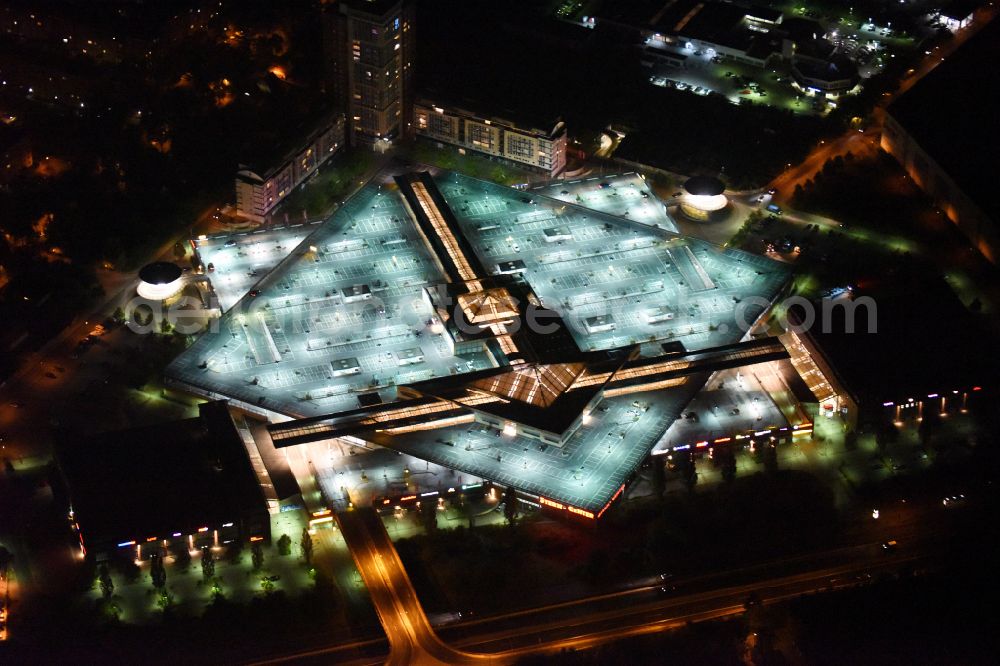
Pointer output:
x,y
188,483
521,143
260,188
369,52
943,132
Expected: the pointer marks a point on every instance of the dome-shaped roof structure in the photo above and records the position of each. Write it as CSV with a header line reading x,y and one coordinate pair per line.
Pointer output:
x,y
160,272
160,280
704,186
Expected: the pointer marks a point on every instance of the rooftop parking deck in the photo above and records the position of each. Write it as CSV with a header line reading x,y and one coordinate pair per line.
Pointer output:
x,y
624,195
648,284
283,346
586,472
734,401
241,259
345,315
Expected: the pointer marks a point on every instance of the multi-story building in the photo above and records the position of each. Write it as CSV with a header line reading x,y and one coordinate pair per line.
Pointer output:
x,y
523,144
369,51
958,14
946,147
260,188
185,484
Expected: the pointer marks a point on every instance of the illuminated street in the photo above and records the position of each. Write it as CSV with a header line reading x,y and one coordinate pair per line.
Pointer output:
x,y
410,635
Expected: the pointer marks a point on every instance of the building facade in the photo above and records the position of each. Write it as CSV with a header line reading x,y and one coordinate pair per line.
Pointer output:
x,y
258,191
183,484
540,149
957,14
831,76
925,171
369,51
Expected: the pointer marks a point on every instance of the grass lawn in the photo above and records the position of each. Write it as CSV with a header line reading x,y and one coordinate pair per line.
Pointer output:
x,y
470,164
327,188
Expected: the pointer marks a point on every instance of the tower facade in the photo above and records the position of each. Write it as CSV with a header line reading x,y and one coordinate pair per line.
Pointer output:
x,y
370,67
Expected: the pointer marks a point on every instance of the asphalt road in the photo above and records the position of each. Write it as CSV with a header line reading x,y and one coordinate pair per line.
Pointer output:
x,y
862,143
925,531
411,638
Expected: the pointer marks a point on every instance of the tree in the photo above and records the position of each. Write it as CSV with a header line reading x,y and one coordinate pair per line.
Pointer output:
x,y
234,554
798,195
157,572
165,326
659,477
164,600
107,585
511,505
886,433
727,463
182,556
257,555
284,545
307,545
928,427
686,469
142,315
691,476
769,454
119,315
597,565
428,514
881,440
207,563
128,568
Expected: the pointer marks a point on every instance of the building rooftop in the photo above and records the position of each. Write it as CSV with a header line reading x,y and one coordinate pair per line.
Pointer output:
x,y
157,480
526,118
642,397
433,249
586,472
274,352
951,114
372,7
960,9
261,159
836,68
160,272
719,23
916,349
801,30
704,186
630,12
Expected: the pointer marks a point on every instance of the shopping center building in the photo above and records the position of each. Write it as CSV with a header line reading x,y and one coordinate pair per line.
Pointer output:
x,y
399,323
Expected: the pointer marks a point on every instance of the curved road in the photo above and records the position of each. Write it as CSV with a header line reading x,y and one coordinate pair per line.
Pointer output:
x,y
411,638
